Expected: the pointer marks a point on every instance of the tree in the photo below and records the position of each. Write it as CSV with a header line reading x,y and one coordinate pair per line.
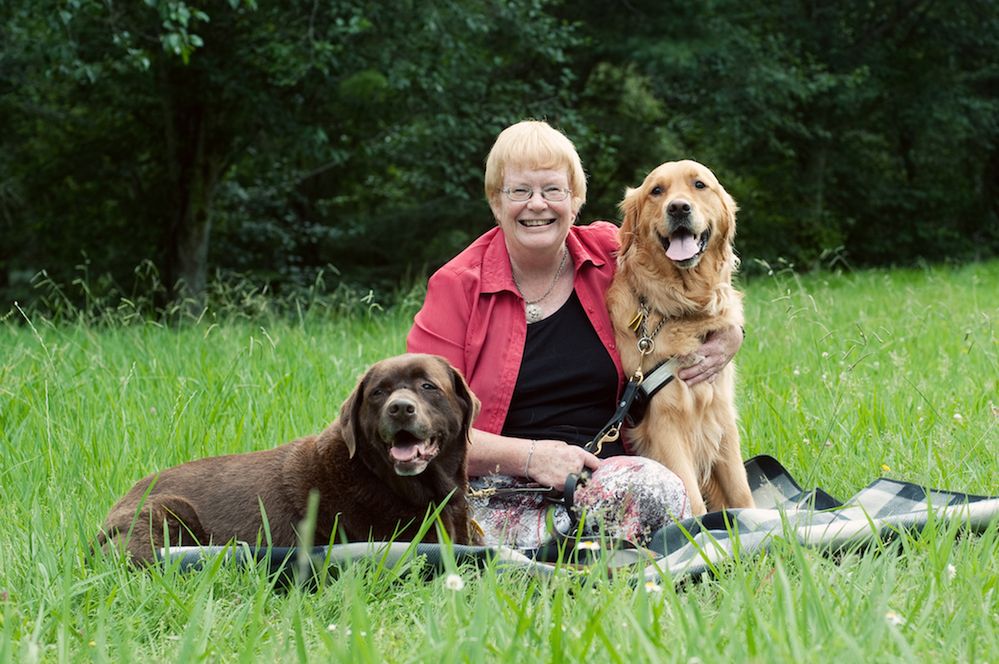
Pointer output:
x,y
318,117
843,127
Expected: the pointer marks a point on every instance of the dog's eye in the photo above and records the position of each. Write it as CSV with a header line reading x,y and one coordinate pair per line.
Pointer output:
x,y
699,185
656,191
429,386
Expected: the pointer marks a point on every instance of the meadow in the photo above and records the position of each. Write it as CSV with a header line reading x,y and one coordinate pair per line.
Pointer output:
x,y
844,377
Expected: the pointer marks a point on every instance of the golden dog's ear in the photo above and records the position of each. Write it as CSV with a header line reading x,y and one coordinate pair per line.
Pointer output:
x,y
730,207
349,421
629,219
469,402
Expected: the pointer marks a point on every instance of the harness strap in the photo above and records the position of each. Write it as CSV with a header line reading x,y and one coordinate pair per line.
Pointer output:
x,y
660,376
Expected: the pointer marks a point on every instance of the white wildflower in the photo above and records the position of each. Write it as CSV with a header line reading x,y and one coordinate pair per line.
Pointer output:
x,y
454,582
894,619
653,587
588,546
951,572
958,418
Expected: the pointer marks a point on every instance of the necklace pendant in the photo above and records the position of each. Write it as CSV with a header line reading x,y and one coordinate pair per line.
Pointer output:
x,y
533,312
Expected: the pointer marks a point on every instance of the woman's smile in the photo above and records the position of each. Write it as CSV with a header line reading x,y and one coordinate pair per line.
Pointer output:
x,y
533,223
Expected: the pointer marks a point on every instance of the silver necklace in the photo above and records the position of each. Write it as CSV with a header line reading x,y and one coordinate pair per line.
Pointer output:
x,y
531,309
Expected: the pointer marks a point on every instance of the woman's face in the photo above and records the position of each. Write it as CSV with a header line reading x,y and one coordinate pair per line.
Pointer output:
x,y
536,226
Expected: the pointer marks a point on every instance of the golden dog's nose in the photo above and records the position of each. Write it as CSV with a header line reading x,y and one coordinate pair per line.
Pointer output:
x,y
678,207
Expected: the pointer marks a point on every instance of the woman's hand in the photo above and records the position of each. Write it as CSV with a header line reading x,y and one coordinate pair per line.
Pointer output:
x,y
552,461
547,462
718,349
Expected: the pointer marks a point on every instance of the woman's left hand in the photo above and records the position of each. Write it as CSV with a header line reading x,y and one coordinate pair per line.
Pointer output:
x,y
718,349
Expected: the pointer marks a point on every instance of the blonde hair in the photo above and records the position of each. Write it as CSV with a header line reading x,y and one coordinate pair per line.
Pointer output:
x,y
533,144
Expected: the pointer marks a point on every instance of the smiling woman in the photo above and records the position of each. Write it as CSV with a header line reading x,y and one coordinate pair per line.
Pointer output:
x,y
521,314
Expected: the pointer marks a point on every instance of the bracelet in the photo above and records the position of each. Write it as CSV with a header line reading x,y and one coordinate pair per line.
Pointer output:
x,y
527,464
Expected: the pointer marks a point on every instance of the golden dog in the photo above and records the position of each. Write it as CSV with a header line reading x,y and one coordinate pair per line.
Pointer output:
x,y
674,286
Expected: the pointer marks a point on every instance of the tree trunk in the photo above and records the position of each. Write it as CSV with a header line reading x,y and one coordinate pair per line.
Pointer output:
x,y
194,161
815,181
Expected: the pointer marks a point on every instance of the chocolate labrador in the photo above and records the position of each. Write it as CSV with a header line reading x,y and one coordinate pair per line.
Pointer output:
x,y
396,452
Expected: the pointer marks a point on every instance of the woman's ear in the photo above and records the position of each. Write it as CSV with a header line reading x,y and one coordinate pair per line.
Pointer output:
x,y
496,205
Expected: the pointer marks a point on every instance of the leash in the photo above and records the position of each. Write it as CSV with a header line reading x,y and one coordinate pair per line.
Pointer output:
x,y
611,431
640,388
490,491
634,402
566,496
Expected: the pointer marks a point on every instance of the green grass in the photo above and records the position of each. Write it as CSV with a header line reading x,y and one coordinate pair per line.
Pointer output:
x,y
841,376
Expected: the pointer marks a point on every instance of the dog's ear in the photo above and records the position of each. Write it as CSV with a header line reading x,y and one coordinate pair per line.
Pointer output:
x,y
470,403
629,219
729,207
349,421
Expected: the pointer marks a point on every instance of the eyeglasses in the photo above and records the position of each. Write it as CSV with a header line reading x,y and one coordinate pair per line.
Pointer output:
x,y
522,192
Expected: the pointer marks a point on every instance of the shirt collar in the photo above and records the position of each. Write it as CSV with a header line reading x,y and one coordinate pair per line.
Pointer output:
x,y
497,274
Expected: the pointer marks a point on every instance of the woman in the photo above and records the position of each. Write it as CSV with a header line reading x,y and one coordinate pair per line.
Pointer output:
x,y
521,314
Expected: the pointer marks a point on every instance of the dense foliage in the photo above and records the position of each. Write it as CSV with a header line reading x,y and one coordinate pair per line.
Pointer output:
x,y
279,139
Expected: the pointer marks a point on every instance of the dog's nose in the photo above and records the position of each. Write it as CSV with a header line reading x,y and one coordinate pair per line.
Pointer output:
x,y
678,208
401,407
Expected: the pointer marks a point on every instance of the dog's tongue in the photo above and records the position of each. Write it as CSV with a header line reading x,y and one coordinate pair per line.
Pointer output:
x,y
682,246
404,452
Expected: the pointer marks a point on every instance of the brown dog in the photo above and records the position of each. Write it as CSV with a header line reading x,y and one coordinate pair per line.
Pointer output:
x,y
674,286
397,451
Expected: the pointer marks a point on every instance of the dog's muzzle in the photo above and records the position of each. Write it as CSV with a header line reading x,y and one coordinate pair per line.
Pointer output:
x,y
411,443
682,245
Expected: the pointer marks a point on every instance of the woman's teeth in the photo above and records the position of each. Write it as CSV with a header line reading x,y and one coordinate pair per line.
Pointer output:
x,y
536,222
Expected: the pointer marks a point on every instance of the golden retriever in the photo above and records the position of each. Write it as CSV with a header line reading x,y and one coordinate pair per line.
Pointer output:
x,y
673,286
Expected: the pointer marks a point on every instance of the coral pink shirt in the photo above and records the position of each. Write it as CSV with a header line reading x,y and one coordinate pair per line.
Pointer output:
x,y
474,315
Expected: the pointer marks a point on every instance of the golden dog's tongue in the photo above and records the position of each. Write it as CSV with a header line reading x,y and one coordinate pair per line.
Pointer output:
x,y
682,246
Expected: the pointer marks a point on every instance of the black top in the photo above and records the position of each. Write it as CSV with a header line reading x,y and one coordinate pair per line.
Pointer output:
x,y
567,386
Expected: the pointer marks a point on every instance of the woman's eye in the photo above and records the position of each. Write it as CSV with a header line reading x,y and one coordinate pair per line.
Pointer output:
x,y
699,185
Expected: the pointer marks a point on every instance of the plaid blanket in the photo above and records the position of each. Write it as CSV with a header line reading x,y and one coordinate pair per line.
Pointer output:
x,y
687,548
815,518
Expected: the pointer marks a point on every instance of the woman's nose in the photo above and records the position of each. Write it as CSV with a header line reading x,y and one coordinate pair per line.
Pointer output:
x,y
537,200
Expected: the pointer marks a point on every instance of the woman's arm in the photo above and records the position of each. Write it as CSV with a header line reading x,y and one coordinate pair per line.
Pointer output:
x,y
717,350
439,326
547,462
